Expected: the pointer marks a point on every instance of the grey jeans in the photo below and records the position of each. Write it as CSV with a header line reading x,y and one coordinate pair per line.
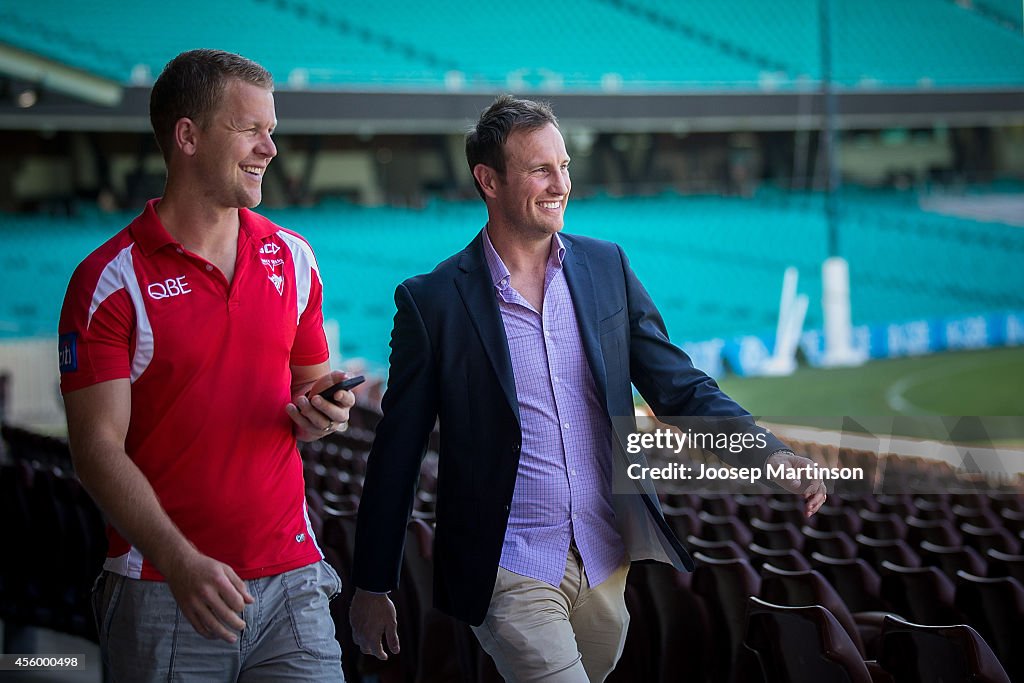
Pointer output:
x,y
289,634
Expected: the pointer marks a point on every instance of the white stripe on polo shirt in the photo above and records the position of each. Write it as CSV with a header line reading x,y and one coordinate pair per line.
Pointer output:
x,y
117,275
304,262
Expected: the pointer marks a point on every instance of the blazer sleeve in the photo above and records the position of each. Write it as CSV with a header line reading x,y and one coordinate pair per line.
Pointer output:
x,y
666,378
393,467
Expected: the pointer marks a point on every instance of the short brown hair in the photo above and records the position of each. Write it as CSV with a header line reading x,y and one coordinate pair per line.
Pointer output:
x,y
485,142
191,86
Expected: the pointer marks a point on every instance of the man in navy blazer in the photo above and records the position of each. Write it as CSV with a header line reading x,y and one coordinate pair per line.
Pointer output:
x,y
524,345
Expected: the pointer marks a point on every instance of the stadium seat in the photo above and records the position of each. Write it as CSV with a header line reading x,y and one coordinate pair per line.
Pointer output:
x,y
977,515
951,559
1007,500
776,535
641,652
719,505
434,644
918,653
753,506
854,579
725,586
790,509
921,594
684,521
789,559
725,528
971,499
995,608
933,508
719,550
801,644
838,518
831,543
900,505
937,531
997,538
883,525
683,500
1012,520
337,543
875,551
1003,564
15,519
803,588
683,628
857,500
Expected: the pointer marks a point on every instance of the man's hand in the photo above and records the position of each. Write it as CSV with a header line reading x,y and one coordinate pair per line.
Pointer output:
x,y
210,595
372,616
813,490
316,417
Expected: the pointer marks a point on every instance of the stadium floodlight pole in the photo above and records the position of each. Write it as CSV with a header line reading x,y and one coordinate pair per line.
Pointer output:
x,y
828,131
835,272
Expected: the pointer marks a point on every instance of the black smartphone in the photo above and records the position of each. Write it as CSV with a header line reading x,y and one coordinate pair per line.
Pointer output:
x,y
346,384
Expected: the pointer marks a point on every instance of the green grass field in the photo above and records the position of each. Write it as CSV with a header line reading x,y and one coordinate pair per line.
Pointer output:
x,y
989,382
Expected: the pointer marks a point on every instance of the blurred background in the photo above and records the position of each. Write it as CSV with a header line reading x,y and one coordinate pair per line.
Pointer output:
x,y
721,143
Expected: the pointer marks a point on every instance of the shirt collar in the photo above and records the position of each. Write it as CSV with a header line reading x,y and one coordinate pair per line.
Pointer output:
x,y
500,274
150,234
147,230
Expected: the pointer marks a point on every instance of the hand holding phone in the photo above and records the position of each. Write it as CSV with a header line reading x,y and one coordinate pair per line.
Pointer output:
x,y
345,384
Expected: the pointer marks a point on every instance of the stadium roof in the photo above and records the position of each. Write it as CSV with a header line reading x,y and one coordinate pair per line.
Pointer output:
x,y
410,66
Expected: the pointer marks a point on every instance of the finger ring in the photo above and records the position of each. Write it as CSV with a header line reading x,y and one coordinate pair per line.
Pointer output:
x,y
329,427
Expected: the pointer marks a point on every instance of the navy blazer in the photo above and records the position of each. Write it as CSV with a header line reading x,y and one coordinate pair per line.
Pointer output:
x,y
450,362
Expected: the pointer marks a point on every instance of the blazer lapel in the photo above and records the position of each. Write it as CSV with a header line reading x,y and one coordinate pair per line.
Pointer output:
x,y
584,300
477,291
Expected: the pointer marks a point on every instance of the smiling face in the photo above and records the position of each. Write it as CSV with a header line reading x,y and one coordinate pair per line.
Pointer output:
x,y
530,198
233,150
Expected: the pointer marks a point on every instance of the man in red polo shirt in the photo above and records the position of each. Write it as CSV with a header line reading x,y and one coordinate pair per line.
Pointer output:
x,y
188,343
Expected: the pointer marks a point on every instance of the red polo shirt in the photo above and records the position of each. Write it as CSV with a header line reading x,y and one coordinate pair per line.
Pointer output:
x,y
209,368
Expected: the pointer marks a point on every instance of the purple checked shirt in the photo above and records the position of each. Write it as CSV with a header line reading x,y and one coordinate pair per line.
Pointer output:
x,y
563,487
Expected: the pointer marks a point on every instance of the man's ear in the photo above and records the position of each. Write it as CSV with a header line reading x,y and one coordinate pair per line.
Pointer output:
x,y
487,178
186,135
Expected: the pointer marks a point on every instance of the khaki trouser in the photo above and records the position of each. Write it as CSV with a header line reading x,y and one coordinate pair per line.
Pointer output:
x,y
557,634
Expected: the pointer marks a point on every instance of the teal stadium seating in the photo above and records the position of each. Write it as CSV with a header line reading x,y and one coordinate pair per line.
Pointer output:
x,y
713,264
1006,12
578,46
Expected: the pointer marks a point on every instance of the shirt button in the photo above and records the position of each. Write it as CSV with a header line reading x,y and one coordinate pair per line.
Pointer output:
x,y
546,333
566,425
572,472
556,379
209,267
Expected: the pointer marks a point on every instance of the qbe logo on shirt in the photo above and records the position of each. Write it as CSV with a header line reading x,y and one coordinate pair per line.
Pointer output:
x,y
67,352
171,287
